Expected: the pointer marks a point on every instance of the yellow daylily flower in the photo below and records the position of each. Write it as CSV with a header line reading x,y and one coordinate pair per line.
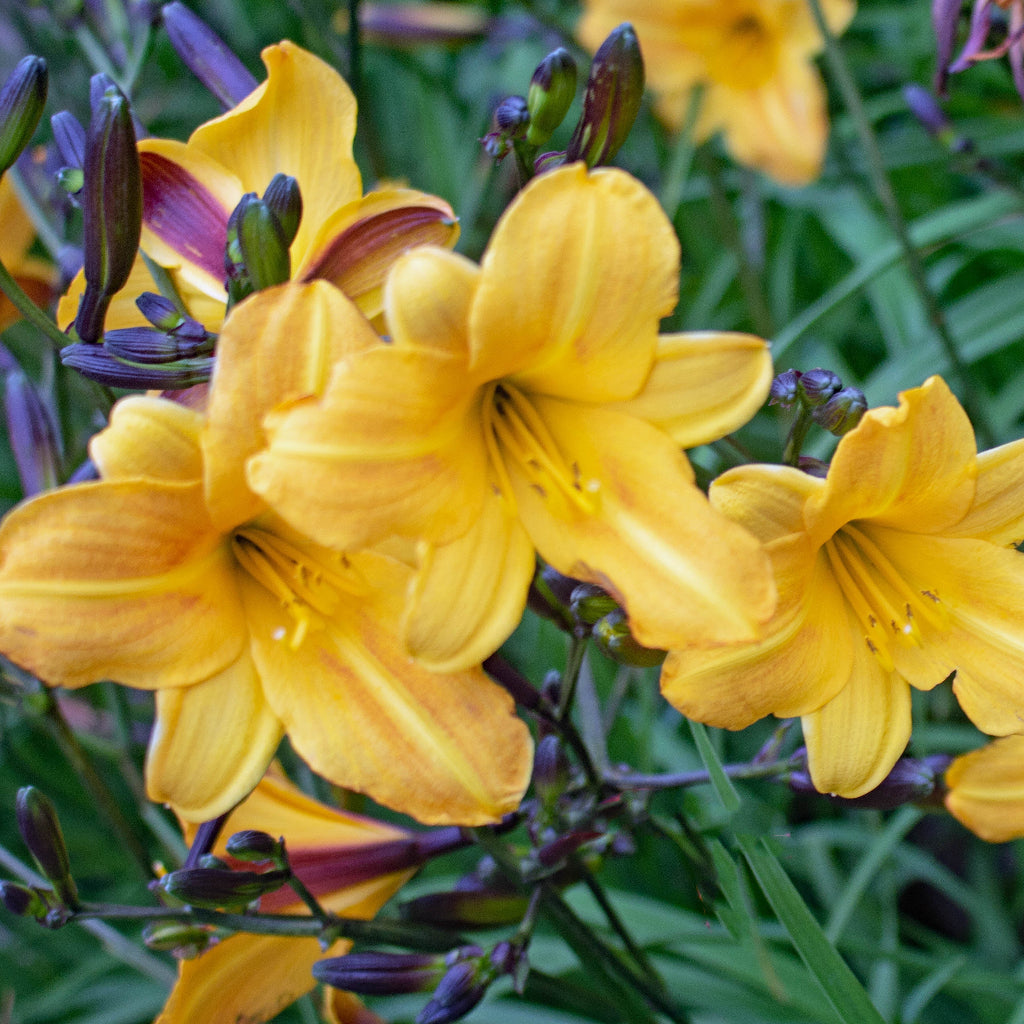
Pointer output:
x,y
752,61
36,277
529,405
986,790
896,570
301,121
352,864
169,574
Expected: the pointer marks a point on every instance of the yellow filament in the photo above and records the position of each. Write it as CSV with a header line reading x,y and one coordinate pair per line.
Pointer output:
x,y
851,591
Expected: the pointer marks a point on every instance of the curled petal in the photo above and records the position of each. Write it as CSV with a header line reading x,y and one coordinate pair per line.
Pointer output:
x,y
631,520
767,500
986,790
997,514
468,596
587,265
211,743
121,580
703,385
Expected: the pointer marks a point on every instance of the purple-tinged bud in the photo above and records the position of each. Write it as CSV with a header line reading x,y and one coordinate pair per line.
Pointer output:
x,y
159,311
925,107
461,988
466,908
589,603
69,138
550,769
812,466
784,391
548,162
559,849
612,99
614,638
40,829
211,888
212,862
552,90
842,412
22,99
550,594
511,116
911,780
381,974
945,16
207,56
32,436
111,201
408,26
282,195
100,365
816,387
147,345
23,901
254,847
183,941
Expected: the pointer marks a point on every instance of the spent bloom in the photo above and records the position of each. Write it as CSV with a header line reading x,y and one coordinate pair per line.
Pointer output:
x,y
893,572
528,405
300,122
344,859
752,61
168,574
986,790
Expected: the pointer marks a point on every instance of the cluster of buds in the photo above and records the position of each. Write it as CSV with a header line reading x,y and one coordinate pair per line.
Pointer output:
x,y
611,103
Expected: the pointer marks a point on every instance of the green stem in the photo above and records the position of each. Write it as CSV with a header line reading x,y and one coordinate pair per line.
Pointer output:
x,y
617,924
797,435
681,158
682,780
883,188
29,310
570,676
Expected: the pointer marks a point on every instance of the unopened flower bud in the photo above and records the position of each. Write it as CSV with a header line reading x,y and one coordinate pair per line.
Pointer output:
x,y
102,366
511,116
590,603
784,389
69,138
256,255
23,901
40,829
812,466
466,908
32,435
283,197
842,412
816,387
207,56
548,162
614,638
159,311
211,888
111,200
147,345
461,988
212,862
22,99
550,768
612,99
563,847
912,779
550,594
407,26
254,847
552,90
925,107
184,941
371,974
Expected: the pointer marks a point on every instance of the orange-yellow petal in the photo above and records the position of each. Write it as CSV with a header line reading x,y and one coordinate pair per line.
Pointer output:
x,y
986,790
767,500
578,273
211,742
997,514
803,661
703,385
149,437
301,122
440,747
468,596
395,446
121,580
854,740
626,515
911,467
278,345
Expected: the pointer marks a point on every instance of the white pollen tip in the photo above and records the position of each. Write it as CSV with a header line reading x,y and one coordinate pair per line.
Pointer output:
x,y
279,633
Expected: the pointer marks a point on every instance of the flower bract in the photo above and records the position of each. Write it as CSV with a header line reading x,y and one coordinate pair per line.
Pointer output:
x,y
752,61
529,405
896,570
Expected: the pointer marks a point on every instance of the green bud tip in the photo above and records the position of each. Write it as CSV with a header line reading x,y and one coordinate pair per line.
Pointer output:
x,y
589,603
615,639
212,888
552,90
283,197
22,99
254,847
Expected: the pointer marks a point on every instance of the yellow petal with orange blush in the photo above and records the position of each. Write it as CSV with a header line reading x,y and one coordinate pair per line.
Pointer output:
x,y
785,673
443,748
468,596
279,345
911,467
270,133
767,500
149,437
703,385
986,790
394,446
121,580
584,265
228,719
997,514
625,514
856,738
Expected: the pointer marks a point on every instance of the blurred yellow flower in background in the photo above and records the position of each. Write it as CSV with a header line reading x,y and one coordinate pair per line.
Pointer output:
x,y
36,277
986,790
752,61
